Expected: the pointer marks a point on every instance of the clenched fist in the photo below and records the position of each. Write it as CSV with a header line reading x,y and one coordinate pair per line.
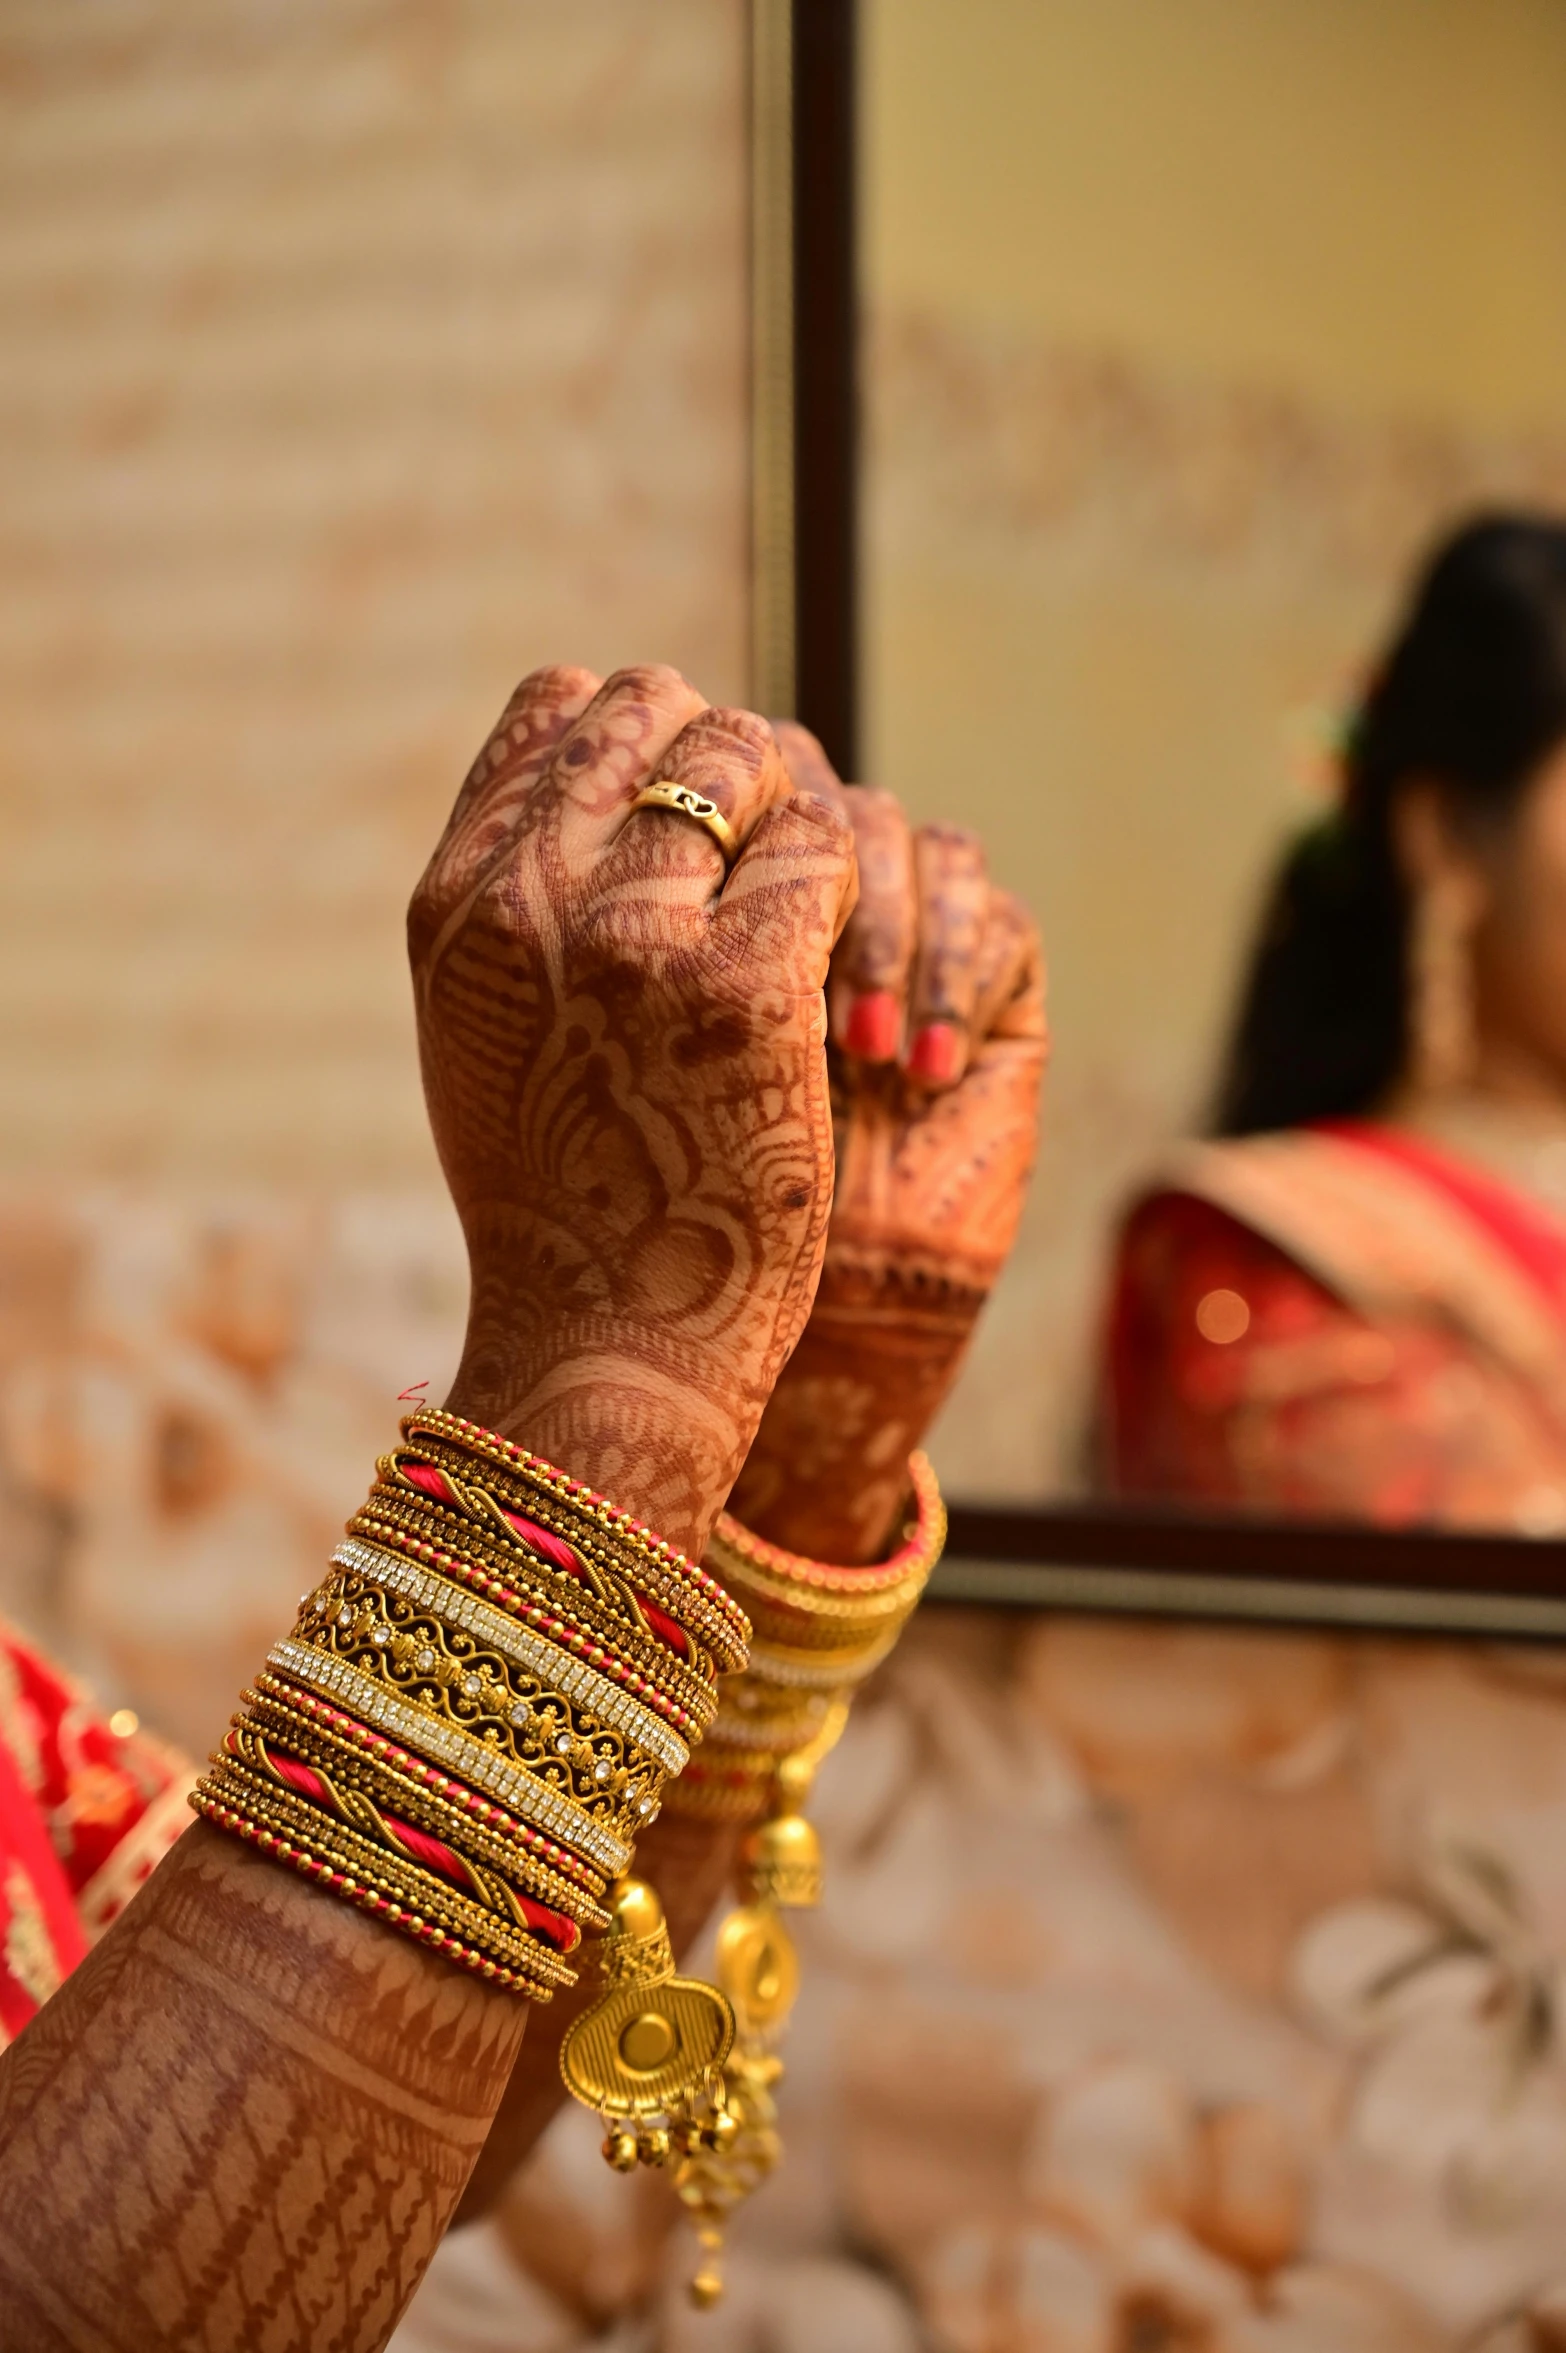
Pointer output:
x,y
938,1047
623,1050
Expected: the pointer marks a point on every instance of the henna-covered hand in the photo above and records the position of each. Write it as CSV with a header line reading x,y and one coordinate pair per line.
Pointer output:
x,y
623,1059
246,2120
938,1048
935,1140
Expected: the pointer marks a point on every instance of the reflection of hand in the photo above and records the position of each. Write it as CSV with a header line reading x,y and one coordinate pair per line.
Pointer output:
x,y
938,1044
622,1054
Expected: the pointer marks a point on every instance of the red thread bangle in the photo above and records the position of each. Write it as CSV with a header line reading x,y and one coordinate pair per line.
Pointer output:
x,y
433,1852
551,1548
560,1858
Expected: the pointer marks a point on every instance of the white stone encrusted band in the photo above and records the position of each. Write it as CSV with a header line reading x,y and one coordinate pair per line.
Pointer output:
x,y
535,1655
529,1798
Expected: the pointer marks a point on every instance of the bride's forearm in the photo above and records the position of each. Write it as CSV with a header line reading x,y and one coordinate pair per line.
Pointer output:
x,y
246,2120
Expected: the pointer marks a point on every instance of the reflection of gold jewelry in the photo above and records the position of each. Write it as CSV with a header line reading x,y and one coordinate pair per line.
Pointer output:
x,y
685,802
1442,1043
817,1638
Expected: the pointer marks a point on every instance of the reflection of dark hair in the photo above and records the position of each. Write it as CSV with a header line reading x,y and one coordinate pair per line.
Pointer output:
x,y
1472,694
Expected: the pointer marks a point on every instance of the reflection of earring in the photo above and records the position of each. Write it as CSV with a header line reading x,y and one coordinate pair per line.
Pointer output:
x,y
1443,1041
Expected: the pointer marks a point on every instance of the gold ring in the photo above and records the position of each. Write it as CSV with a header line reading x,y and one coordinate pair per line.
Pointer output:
x,y
666,794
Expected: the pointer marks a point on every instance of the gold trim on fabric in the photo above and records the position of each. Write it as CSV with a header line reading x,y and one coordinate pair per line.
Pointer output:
x,y
135,1858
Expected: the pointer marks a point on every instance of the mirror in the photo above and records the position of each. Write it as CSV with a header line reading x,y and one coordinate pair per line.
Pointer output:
x,y
1182,334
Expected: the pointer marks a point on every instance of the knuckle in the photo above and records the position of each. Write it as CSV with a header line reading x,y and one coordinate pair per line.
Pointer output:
x,y
647,682
954,844
743,731
555,682
875,802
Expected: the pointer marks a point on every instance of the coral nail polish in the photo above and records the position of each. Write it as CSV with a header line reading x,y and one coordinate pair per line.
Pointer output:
x,y
873,1026
935,1053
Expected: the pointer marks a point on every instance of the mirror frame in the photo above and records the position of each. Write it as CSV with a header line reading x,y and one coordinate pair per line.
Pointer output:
x,y
805,605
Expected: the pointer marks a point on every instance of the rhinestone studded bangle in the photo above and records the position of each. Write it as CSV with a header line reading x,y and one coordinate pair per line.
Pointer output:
x,y
479,1705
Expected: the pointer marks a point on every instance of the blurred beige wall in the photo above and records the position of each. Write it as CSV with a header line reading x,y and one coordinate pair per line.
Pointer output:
x,y
355,360
1187,327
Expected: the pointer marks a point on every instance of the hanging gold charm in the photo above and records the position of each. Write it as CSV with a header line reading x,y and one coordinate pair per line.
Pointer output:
x,y
758,1968
648,2056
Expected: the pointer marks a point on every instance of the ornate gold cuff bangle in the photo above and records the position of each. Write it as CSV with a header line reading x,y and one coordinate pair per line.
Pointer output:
x,y
522,1792
544,1599
444,1671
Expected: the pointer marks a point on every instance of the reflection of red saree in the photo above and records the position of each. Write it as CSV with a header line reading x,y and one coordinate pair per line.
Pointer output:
x,y
85,1814
1403,1351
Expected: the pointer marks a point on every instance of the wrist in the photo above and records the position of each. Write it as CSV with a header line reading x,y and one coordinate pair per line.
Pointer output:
x,y
827,1475
642,1435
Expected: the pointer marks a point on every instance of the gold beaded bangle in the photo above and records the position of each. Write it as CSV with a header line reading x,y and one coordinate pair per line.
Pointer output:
x,y
436,1897
376,1899
542,1596
807,1604
414,1654
534,1656
296,1702
596,1528
726,1786
317,1744
423,1899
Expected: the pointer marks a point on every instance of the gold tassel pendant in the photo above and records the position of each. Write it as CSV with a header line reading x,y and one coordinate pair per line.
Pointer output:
x,y
648,2057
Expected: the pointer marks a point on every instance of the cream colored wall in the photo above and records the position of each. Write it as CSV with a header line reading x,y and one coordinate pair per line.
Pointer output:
x,y
355,360
1186,328
1363,199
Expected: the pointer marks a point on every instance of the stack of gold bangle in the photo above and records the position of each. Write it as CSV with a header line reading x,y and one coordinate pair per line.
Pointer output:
x,y
819,1631
479,1706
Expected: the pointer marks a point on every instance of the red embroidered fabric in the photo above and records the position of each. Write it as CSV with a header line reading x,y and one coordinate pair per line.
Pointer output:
x,y
86,1814
1313,1408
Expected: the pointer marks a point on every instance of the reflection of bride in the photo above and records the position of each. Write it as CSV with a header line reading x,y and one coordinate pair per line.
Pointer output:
x,y
1353,1300
1195,1990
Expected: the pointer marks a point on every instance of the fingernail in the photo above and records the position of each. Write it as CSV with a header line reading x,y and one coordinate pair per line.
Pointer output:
x,y
935,1053
873,1026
